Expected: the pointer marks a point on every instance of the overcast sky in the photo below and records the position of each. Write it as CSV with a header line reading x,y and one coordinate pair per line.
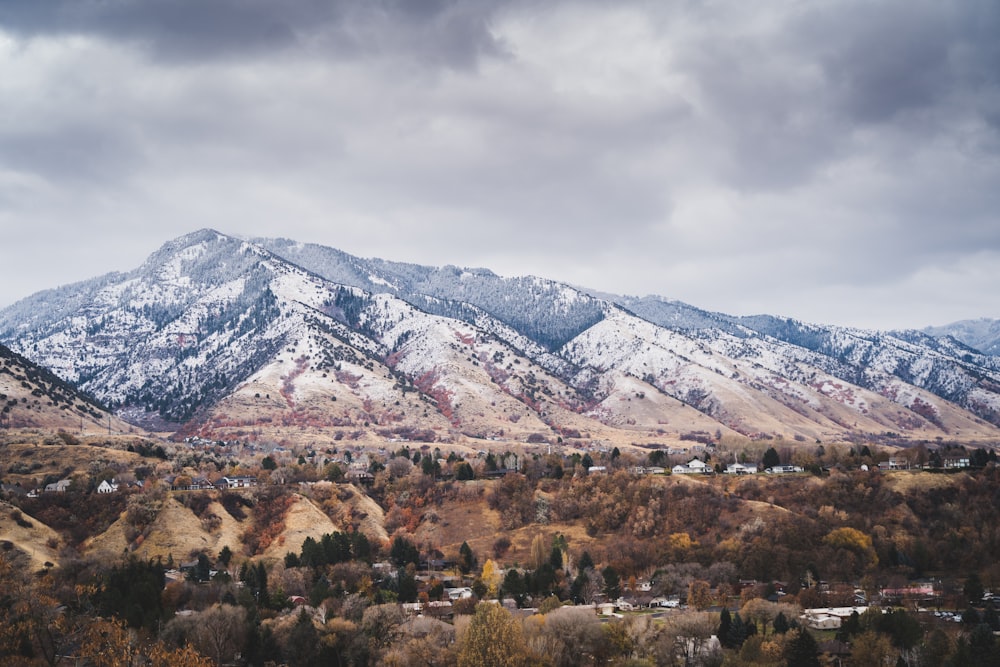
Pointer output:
x,y
834,161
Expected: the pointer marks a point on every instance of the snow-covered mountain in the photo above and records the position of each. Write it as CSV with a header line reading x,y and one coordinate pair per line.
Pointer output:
x,y
274,339
982,334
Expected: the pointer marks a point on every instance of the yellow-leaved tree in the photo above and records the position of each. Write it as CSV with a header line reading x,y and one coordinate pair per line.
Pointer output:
x,y
491,578
852,542
493,639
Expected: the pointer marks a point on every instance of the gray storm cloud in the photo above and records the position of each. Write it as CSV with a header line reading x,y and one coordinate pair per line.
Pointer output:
x,y
830,161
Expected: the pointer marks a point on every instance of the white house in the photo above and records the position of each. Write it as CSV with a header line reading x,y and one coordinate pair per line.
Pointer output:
x,y
458,593
740,469
829,618
236,482
107,487
781,470
894,464
58,487
692,467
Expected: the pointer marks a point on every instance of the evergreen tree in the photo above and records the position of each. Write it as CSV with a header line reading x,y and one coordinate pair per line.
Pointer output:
x,y
361,548
302,647
203,570
556,558
514,586
466,559
850,627
404,552
780,623
802,650
576,588
771,458
407,586
738,631
973,589
612,583
725,623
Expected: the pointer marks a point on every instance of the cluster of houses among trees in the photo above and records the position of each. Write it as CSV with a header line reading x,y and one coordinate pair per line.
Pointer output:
x,y
688,551
175,482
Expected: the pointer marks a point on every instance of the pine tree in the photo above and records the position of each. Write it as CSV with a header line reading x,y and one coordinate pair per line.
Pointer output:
x,y
612,583
771,458
780,624
725,623
466,559
738,632
802,650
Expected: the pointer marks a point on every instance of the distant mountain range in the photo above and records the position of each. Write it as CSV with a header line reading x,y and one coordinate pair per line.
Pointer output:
x,y
982,334
273,339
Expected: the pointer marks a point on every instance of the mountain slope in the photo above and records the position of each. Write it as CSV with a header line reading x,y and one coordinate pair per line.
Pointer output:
x,y
34,397
273,340
982,334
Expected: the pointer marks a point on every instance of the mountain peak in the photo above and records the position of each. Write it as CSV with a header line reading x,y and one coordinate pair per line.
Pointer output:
x,y
276,339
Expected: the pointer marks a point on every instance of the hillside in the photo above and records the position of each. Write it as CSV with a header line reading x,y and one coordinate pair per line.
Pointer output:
x,y
277,342
982,334
33,397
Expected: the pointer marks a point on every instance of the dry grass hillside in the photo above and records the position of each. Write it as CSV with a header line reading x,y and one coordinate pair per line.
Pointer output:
x,y
30,455
183,524
33,397
175,532
28,535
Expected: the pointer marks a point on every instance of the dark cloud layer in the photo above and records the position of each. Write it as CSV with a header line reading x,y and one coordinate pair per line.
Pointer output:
x,y
188,31
833,161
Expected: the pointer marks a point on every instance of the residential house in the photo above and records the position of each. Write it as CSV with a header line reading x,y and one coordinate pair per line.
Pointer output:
x,y
829,618
895,463
359,475
235,482
107,486
740,469
458,593
692,467
58,487
782,470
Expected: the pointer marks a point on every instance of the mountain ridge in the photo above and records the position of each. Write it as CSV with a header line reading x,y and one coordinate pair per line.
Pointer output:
x,y
257,338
